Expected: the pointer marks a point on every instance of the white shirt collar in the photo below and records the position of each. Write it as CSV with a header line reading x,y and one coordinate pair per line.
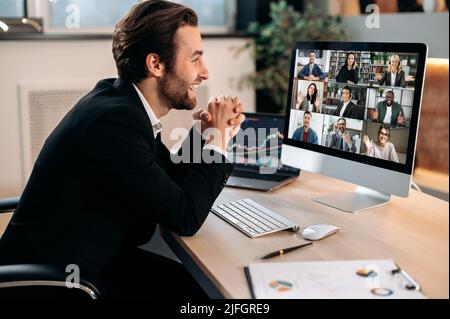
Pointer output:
x,y
344,107
156,123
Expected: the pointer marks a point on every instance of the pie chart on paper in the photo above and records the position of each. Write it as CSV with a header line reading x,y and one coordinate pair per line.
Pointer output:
x,y
281,285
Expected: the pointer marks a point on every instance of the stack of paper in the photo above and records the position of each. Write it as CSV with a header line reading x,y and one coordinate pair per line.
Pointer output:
x,y
360,279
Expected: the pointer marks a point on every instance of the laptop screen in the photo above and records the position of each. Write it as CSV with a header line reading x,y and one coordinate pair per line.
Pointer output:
x,y
258,144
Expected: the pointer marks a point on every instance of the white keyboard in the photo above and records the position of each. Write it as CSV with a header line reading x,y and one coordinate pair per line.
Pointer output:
x,y
252,219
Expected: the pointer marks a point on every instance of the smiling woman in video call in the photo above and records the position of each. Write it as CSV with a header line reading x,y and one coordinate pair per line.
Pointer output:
x,y
382,149
394,75
311,101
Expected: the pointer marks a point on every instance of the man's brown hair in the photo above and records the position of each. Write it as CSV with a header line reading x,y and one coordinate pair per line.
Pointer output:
x,y
149,27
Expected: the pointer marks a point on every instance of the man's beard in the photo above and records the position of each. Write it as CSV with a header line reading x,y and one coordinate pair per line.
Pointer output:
x,y
176,92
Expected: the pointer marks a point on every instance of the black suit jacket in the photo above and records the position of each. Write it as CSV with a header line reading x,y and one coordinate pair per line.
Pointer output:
x,y
102,182
352,111
399,79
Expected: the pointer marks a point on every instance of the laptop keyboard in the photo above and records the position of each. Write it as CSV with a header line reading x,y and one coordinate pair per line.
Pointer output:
x,y
252,219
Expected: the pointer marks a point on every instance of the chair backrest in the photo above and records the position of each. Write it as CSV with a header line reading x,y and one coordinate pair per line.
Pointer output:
x,y
8,204
38,281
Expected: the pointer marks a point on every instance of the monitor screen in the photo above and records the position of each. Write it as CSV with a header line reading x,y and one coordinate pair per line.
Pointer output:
x,y
258,143
357,101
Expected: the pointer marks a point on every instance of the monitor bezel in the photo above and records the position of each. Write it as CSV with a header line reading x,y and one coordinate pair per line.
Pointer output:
x,y
419,48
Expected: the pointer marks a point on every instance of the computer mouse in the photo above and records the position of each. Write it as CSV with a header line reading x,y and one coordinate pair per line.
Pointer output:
x,y
316,232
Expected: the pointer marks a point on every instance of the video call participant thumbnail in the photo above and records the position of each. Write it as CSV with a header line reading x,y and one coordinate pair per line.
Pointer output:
x,y
389,111
312,71
346,108
305,133
393,76
382,149
310,102
349,71
341,139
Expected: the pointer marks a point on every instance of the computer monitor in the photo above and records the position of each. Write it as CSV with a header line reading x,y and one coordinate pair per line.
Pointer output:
x,y
353,114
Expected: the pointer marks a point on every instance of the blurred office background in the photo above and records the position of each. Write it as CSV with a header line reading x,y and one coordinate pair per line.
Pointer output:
x,y
53,51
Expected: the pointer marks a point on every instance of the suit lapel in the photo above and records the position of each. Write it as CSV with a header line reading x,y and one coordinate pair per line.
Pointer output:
x,y
340,106
348,110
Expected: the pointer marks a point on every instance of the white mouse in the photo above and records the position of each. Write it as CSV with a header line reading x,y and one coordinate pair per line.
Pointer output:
x,y
316,232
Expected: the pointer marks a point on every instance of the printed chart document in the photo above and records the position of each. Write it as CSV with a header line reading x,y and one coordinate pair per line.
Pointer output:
x,y
356,279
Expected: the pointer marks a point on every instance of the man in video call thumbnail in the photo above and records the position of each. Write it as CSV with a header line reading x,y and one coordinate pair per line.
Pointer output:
x,y
305,133
346,108
389,112
312,71
341,138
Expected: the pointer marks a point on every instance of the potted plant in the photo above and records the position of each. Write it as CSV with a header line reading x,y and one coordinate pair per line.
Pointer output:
x,y
385,59
375,59
381,91
272,47
336,90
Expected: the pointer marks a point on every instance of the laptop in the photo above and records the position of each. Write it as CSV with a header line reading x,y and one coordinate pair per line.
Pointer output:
x,y
256,152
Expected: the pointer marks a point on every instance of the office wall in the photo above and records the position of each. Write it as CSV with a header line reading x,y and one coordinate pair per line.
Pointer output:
x,y
429,28
62,62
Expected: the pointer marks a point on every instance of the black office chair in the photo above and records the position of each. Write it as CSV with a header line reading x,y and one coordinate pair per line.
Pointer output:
x,y
39,281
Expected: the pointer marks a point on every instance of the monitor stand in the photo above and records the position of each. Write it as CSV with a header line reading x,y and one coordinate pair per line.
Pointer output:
x,y
354,202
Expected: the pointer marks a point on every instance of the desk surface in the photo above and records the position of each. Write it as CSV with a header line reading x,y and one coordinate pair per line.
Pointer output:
x,y
414,231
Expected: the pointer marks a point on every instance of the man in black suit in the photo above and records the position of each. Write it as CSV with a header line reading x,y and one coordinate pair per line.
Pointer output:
x,y
103,179
346,108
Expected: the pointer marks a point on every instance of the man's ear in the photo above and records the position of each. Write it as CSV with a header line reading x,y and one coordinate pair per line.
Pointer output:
x,y
154,65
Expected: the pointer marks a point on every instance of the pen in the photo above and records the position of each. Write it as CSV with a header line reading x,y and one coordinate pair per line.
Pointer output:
x,y
284,251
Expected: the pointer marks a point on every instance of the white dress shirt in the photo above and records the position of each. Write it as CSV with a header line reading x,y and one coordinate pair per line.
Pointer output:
x,y
387,118
341,114
157,125
393,77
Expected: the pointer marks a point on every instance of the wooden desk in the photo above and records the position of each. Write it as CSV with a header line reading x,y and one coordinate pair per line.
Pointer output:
x,y
414,231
